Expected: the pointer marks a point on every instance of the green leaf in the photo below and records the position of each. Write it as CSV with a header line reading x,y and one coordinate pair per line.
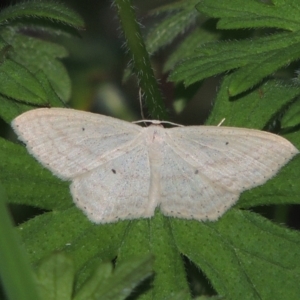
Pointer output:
x,y
27,182
39,55
81,239
15,273
19,83
4,49
54,277
279,190
254,109
97,281
291,117
187,47
32,55
180,16
243,254
119,284
256,59
45,81
9,109
236,14
55,11
155,236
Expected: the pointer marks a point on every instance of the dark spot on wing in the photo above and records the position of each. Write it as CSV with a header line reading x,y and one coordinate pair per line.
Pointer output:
x,y
196,172
114,171
226,143
83,129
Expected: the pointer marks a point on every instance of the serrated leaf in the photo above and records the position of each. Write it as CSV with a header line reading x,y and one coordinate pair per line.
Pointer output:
x,y
81,239
55,11
9,109
236,14
45,82
187,47
181,15
40,55
155,236
54,277
279,190
257,58
18,83
267,63
254,109
43,28
243,254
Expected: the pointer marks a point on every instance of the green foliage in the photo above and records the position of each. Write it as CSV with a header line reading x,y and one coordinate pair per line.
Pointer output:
x,y
243,255
256,59
14,81
30,65
42,9
15,273
55,278
237,14
181,15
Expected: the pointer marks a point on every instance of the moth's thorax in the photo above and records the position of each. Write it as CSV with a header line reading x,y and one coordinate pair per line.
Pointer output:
x,y
155,135
155,140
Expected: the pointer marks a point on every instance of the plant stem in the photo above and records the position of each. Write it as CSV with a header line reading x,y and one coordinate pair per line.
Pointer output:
x,y
141,60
